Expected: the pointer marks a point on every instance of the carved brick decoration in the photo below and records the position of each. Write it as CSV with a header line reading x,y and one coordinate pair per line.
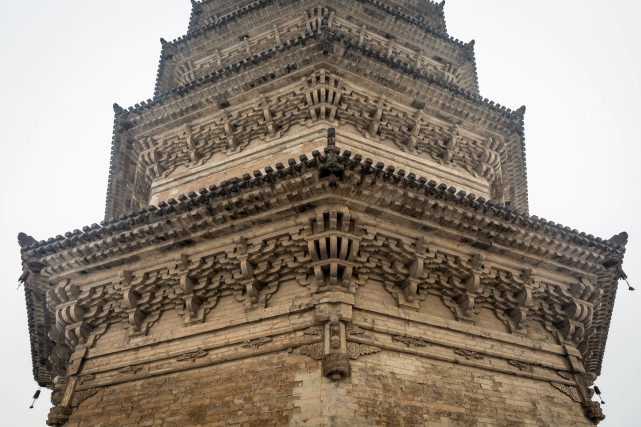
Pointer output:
x,y
192,356
81,396
255,344
468,354
354,350
318,218
336,366
570,391
133,370
315,351
409,341
520,365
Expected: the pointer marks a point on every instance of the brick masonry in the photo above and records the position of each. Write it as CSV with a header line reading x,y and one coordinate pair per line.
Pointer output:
x,y
317,220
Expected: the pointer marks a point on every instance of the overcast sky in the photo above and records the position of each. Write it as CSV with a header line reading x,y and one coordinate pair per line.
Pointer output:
x,y
575,64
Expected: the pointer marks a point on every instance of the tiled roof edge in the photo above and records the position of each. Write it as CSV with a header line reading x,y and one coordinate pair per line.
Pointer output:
x,y
227,187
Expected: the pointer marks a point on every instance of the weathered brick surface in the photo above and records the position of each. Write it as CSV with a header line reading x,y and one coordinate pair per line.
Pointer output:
x,y
254,391
388,388
394,389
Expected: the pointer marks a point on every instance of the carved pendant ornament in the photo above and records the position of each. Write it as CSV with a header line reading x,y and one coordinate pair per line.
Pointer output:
x,y
335,351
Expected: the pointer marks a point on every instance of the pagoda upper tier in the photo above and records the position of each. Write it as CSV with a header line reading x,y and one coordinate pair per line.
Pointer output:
x,y
222,34
209,12
255,82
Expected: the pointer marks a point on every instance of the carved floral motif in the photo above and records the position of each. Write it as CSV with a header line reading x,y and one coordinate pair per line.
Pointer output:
x,y
570,391
131,369
354,331
468,354
86,378
314,331
409,341
255,343
354,350
192,356
520,365
82,395
315,351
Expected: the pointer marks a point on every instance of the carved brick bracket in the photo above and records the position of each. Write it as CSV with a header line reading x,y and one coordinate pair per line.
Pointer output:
x,y
410,142
252,287
521,301
470,286
194,277
322,91
411,272
578,311
255,264
132,300
450,146
70,314
377,119
333,245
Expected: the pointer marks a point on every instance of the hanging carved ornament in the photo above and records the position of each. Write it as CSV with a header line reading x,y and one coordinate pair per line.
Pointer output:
x,y
59,386
336,366
335,362
58,415
593,411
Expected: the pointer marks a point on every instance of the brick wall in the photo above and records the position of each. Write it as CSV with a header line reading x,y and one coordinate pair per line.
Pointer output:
x,y
388,388
259,391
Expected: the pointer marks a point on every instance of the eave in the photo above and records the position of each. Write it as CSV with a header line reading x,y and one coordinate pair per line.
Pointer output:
x,y
190,219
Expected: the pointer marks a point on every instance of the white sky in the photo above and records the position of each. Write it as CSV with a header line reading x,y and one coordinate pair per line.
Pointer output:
x,y
575,64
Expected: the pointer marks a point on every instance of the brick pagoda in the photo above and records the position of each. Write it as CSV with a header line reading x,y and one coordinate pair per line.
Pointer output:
x,y
318,220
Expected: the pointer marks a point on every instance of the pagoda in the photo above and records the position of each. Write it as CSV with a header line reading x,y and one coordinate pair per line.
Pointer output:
x,y
318,220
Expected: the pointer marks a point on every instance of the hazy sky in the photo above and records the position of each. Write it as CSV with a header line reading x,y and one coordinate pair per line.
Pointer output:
x,y
575,64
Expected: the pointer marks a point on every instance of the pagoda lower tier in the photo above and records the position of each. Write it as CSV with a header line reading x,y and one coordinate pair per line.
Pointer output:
x,y
331,287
